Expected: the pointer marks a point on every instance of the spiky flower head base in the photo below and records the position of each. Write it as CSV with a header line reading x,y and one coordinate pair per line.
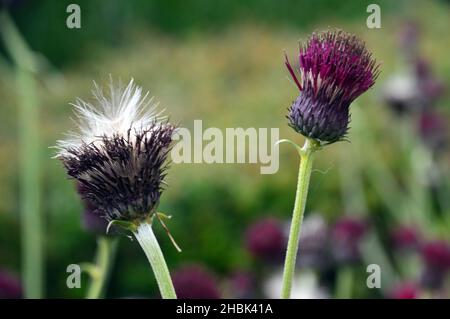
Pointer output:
x,y
119,156
335,68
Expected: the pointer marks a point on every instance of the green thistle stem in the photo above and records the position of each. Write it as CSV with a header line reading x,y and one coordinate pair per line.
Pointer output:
x,y
146,238
106,252
304,175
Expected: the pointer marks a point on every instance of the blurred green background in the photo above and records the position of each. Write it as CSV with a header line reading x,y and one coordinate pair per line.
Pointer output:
x,y
221,62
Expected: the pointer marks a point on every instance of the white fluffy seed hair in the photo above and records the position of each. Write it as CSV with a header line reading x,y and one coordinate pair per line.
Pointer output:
x,y
123,108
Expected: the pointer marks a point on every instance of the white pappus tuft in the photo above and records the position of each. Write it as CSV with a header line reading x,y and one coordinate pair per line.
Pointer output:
x,y
112,114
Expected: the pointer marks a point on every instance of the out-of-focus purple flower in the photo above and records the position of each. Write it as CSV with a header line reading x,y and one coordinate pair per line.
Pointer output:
x,y
436,258
406,290
313,243
408,38
241,285
195,282
405,238
10,287
401,94
433,128
335,68
436,254
429,86
94,223
418,89
91,219
346,235
266,239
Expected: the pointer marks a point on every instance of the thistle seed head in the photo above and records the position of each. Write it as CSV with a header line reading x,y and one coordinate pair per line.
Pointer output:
x,y
119,156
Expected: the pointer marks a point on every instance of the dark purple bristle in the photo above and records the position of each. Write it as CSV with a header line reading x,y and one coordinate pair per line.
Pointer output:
x,y
122,176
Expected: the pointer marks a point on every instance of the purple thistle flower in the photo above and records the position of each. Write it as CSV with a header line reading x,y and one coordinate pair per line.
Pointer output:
x,y
195,282
335,68
266,239
10,287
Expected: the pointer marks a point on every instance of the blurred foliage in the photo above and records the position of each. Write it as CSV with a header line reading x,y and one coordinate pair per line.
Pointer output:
x,y
109,21
221,62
